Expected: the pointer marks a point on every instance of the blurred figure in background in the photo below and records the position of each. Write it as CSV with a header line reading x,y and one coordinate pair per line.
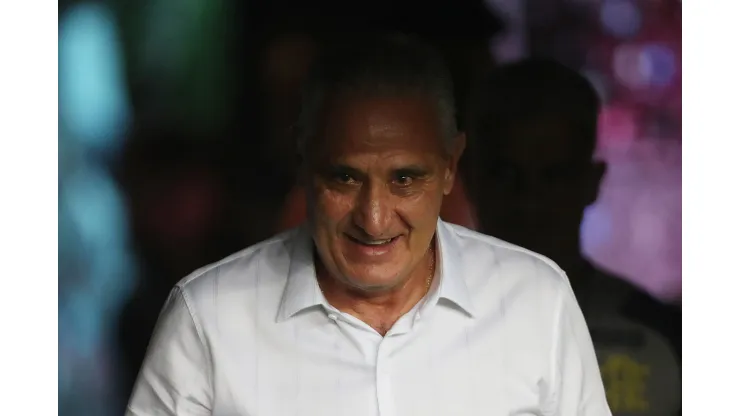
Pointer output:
x,y
534,132
181,215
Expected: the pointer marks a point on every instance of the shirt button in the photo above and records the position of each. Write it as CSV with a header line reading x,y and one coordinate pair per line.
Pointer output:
x,y
333,316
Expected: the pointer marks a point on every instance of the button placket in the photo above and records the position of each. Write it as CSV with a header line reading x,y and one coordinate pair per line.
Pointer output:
x,y
384,383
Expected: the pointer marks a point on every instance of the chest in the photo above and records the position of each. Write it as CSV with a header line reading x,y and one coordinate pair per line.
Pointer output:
x,y
322,366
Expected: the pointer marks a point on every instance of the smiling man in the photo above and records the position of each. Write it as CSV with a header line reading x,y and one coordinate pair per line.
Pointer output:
x,y
375,306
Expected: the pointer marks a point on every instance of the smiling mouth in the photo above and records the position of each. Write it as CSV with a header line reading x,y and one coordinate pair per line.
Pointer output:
x,y
372,243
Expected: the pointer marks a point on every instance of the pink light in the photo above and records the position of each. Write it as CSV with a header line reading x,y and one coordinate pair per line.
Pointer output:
x,y
617,125
631,68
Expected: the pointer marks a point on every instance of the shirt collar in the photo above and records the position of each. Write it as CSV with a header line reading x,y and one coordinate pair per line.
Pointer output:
x,y
452,286
302,289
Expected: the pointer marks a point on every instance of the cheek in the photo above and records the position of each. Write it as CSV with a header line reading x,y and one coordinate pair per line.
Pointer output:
x,y
419,209
331,207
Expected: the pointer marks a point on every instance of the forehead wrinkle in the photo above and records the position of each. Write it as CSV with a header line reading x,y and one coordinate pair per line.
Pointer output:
x,y
390,160
380,128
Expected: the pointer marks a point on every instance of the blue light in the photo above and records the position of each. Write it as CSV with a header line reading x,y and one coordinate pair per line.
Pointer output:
x,y
92,101
596,227
662,63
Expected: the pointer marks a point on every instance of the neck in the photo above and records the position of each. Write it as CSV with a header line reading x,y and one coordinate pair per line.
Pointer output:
x,y
382,308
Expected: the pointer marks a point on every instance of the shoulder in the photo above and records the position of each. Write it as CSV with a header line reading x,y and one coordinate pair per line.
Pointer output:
x,y
481,251
498,272
254,268
520,293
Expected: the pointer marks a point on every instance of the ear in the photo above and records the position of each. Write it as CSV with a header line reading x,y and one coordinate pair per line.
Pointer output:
x,y
595,175
454,154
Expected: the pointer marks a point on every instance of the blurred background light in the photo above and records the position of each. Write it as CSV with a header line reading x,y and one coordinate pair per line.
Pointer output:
x,y
92,102
596,227
630,67
659,62
95,265
510,45
617,125
620,18
642,66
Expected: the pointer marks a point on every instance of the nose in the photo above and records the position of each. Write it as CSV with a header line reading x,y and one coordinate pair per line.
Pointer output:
x,y
373,212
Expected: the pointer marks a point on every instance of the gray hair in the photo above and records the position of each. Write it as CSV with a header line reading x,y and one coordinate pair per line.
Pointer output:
x,y
378,66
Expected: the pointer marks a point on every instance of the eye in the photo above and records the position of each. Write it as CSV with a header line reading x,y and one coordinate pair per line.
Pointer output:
x,y
343,178
403,180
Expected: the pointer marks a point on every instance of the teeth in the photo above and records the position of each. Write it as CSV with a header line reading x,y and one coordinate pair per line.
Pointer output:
x,y
377,242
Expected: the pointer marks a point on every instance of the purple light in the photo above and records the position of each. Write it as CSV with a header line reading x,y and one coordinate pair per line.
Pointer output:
x,y
620,18
630,66
660,64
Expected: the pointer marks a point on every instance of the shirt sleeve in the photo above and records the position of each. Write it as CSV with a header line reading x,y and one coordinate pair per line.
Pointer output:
x,y
175,377
577,388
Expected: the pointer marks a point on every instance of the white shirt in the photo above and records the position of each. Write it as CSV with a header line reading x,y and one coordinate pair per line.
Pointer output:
x,y
500,333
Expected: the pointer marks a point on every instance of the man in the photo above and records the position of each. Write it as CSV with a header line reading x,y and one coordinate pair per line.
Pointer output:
x,y
534,134
376,307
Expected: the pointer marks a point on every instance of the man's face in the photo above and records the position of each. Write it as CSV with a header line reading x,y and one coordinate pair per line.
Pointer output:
x,y
377,173
535,187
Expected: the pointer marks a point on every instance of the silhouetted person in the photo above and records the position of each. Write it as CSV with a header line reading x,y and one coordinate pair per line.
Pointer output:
x,y
533,134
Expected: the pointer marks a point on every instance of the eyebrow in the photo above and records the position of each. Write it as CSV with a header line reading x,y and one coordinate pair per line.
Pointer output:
x,y
412,170
408,170
340,168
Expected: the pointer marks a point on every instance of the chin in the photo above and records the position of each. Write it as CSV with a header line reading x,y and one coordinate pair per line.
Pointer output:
x,y
373,282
